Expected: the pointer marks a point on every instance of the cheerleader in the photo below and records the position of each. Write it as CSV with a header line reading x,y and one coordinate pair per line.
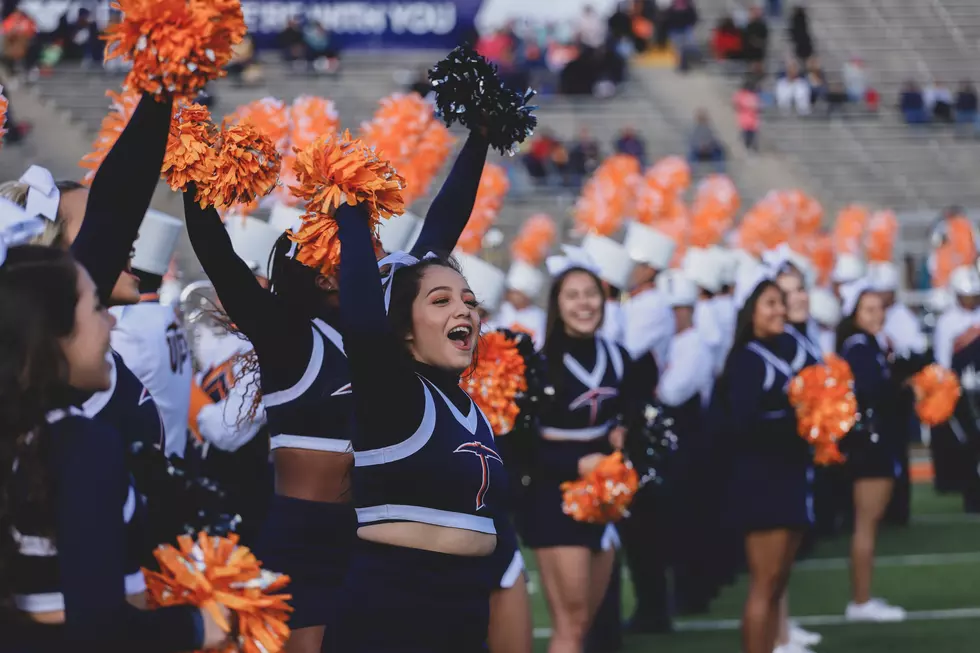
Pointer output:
x,y
578,427
848,268
901,332
648,322
872,451
825,310
427,476
227,415
772,469
792,282
524,284
306,389
149,336
68,503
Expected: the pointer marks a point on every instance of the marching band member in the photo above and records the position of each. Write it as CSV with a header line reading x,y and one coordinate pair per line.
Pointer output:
x,y
872,451
524,284
772,469
955,330
648,320
306,389
227,416
70,507
723,302
901,331
701,267
149,335
420,563
848,268
825,310
589,375
489,283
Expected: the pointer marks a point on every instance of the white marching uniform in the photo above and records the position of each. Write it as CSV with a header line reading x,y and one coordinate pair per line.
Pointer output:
x,y
827,339
153,344
531,319
648,325
951,324
613,322
220,423
687,370
903,331
709,328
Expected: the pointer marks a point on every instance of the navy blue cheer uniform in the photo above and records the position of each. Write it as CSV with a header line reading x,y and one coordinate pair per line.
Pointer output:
x,y
873,447
772,470
306,386
423,453
587,375
78,555
966,421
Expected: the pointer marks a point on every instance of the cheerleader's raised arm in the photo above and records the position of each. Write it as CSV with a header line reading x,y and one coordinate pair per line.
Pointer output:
x,y
121,193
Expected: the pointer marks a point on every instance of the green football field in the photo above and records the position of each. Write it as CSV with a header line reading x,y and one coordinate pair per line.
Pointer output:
x,y
931,568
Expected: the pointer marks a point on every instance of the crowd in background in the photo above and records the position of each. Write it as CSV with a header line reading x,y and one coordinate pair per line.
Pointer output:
x,y
551,162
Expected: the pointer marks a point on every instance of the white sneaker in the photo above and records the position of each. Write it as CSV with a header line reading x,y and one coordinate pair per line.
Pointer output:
x,y
874,610
803,637
790,647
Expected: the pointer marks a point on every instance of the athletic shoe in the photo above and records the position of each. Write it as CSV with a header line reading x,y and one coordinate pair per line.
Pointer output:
x,y
790,647
874,610
803,637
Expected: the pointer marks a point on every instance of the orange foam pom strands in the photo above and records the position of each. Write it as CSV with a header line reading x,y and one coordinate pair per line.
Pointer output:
x,y
269,116
937,390
190,156
121,108
672,173
3,113
880,237
175,46
715,203
335,168
496,380
246,167
604,494
494,186
214,572
848,231
608,197
961,236
826,408
535,239
311,117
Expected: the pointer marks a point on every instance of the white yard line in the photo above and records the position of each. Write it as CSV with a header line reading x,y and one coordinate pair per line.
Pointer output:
x,y
946,518
916,560
815,620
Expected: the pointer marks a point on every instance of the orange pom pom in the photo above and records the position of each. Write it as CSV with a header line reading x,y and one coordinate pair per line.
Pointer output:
x,y
672,173
826,408
534,239
121,109
3,114
431,153
946,259
189,156
215,572
496,381
961,236
269,116
936,390
604,494
334,169
609,196
880,237
848,232
310,118
246,167
489,199
176,46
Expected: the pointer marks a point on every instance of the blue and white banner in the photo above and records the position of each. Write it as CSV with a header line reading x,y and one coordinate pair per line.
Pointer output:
x,y
435,24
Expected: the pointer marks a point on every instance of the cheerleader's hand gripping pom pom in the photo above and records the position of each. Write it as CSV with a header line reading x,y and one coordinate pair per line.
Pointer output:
x,y
651,444
468,91
190,156
337,169
936,390
604,494
175,46
215,572
826,407
246,167
497,382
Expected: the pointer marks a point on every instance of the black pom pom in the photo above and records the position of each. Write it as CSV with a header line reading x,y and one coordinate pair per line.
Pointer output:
x,y
469,91
651,444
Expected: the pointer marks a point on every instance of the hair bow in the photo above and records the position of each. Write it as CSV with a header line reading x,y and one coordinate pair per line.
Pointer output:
x,y
43,196
16,227
571,257
393,262
851,293
748,280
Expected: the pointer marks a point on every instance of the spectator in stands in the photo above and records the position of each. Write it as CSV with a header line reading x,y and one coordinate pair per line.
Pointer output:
x,y
837,97
938,101
681,19
747,105
321,48
80,39
817,80
855,79
243,68
629,142
793,91
19,39
912,104
756,37
291,44
538,160
591,29
704,145
799,34
585,155
966,103
726,40
643,14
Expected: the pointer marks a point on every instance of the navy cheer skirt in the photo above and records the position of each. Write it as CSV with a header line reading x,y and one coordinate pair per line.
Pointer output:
x,y
769,491
506,563
405,600
543,524
311,542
